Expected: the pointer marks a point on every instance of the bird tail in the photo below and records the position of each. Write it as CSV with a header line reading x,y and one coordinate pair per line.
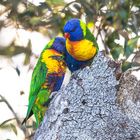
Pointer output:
x,y
26,118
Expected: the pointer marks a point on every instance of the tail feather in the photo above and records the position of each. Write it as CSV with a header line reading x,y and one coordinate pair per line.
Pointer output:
x,y
26,118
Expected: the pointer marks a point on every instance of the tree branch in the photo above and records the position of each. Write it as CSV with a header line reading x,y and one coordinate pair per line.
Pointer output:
x,y
89,107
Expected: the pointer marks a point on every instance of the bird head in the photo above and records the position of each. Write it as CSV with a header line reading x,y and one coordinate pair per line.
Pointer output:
x,y
75,30
59,44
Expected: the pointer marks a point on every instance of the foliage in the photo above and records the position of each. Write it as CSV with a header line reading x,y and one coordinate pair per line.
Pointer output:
x,y
11,125
116,19
6,125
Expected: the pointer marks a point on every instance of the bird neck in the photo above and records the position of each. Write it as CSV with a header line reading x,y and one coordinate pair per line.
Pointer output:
x,y
82,50
53,65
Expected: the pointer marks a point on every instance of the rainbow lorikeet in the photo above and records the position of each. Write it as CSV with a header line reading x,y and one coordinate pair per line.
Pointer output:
x,y
47,77
81,46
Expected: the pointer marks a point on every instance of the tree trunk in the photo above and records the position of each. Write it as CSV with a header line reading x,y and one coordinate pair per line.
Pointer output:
x,y
94,106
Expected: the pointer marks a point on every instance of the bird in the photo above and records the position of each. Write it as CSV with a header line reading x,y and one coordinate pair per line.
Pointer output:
x,y
81,45
47,76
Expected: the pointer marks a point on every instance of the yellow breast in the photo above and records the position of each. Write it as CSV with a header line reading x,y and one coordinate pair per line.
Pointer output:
x,y
81,50
53,65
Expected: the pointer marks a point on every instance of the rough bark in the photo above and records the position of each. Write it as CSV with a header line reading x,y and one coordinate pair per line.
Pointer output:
x,y
94,106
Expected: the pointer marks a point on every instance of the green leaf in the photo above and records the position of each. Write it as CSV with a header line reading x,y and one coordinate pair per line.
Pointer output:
x,y
5,122
109,17
136,3
116,51
126,65
9,127
110,41
123,13
55,2
114,35
130,46
6,125
28,54
13,127
35,20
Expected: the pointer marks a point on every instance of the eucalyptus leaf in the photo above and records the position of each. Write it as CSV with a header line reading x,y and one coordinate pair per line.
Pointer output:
x,y
5,122
13,127
116,51
130,45
126,65
110,40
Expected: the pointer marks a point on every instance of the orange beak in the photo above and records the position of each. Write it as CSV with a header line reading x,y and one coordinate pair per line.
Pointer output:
x,y
67,35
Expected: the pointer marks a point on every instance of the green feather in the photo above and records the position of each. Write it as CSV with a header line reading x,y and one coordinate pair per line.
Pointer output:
x,y
36,90
38,78
39,108
88,35
83,26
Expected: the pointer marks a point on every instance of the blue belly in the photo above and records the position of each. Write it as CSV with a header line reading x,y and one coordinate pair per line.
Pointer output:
x,y
72,63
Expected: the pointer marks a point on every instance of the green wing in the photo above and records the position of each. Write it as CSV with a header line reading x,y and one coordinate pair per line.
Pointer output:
x,y
38,78
91,37
38,95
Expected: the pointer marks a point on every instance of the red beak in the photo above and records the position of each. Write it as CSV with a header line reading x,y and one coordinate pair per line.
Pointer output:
x,y
67,35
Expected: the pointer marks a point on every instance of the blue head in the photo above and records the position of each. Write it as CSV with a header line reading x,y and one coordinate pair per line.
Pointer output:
x,y
73,30
59,44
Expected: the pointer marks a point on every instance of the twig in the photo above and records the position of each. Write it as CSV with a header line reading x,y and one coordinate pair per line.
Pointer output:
x,y
10,107
6,121
15,115
68,5
6,10
99,30
30,136
106,49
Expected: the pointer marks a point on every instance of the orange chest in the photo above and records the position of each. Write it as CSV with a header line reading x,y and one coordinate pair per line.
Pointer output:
x,y
81,50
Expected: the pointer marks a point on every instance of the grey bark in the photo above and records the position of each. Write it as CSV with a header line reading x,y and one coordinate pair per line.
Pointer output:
x,y
94,106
